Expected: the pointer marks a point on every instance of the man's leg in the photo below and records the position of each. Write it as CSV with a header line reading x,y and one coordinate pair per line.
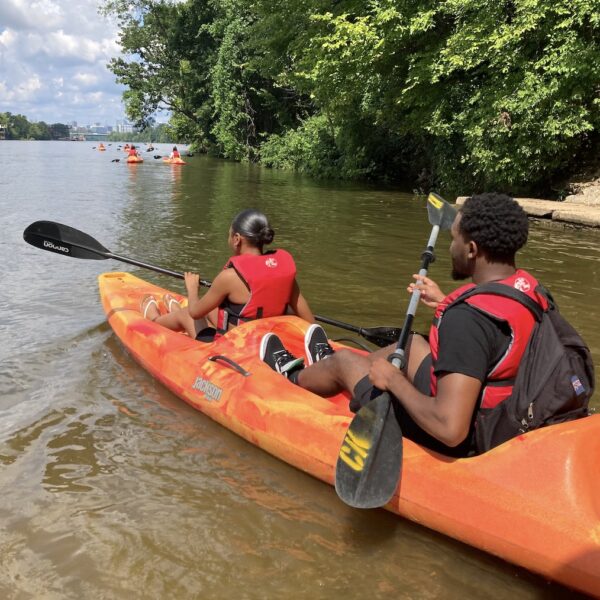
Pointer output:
x,y
344,369
340,371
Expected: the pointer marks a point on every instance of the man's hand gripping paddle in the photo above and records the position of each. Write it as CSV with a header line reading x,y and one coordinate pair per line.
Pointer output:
x,y
369,465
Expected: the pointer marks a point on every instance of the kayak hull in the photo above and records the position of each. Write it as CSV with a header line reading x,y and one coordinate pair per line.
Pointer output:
x,y
134,159
534,501
174,161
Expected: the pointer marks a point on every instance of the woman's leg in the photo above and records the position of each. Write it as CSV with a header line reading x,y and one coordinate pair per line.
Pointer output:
x,y
178,320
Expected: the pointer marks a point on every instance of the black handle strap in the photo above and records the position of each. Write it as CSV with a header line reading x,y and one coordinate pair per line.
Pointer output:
x,y
231,363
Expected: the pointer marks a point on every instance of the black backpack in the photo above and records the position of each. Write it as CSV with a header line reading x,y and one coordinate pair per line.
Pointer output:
x,y
555,379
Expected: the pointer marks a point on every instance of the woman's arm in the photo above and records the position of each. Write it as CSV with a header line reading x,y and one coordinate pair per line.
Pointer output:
x,y
218,291
299,304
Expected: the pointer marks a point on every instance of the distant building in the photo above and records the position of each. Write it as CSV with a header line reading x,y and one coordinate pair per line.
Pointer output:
x,y
99,129
124,127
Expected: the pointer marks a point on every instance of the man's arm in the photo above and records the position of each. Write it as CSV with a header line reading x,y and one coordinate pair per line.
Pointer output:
x,y
447,416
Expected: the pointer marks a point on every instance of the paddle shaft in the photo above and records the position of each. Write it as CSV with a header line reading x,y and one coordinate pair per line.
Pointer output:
x,y
399,356
66,240
369,465
138,263
207,283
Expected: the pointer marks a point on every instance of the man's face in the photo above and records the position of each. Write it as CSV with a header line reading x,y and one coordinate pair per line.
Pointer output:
x,y
459,253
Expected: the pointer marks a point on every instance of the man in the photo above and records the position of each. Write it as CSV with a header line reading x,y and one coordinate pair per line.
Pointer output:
x,y
474,348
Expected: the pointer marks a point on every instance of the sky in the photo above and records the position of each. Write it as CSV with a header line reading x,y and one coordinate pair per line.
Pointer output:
x,y
53,57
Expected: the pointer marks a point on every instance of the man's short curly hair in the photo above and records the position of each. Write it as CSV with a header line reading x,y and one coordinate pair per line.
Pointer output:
x,y
496,223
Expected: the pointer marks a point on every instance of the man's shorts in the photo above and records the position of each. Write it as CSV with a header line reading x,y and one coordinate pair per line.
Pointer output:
x,y
364,392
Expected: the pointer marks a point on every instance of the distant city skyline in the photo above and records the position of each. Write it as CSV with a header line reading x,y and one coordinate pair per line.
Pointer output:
x,y
53,62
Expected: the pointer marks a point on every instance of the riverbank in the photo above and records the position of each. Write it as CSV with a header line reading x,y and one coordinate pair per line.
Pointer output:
x,y
578,210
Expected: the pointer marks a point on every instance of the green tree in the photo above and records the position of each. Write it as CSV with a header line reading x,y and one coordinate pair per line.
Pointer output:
x,y
59,131
40,131
496,94
468,94
18,127
168,60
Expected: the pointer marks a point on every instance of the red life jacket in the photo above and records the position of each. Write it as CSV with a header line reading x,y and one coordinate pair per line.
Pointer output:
x,y
499,382
176,154
132,152
269,278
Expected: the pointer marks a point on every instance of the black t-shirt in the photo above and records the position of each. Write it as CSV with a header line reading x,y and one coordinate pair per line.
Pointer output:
x,y
470,342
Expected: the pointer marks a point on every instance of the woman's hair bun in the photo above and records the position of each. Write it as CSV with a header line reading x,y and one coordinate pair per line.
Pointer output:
x,y
266,235
254,226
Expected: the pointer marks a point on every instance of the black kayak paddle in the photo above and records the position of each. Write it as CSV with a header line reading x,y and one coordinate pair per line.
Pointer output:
x,y
68,241
369,465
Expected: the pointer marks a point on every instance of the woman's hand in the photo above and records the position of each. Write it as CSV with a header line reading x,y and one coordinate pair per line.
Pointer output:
x,y
192,282
431,295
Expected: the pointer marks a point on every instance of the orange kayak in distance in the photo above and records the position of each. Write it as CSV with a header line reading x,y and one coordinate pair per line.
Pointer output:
x,y
174,161
533,501
135,159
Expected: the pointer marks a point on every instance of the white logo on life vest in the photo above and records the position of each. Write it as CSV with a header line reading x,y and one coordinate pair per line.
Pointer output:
x,y
271,262
522,284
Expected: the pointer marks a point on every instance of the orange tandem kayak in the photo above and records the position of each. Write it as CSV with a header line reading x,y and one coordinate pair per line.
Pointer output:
x,y
533,501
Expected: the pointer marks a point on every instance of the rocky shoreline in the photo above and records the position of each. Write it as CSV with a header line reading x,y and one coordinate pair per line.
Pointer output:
x,y
581,209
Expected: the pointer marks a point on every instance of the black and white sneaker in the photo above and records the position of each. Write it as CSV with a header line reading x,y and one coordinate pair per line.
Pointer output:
x,y
273,352
316,345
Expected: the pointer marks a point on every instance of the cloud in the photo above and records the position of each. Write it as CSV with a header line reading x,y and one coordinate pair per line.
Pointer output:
x,y
22,14
53,57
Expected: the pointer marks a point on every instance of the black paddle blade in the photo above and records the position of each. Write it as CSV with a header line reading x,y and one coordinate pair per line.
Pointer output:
x,y
381,336
370,460
440,212
65,240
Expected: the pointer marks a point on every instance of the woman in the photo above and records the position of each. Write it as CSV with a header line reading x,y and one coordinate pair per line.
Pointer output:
x,y
253,284
174,153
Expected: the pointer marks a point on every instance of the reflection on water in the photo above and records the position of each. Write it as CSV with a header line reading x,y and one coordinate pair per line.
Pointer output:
x,y
111,486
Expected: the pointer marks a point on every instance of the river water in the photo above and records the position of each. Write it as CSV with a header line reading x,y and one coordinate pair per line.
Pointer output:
x,y
112,487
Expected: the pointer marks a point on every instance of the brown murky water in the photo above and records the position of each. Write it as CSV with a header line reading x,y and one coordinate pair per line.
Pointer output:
x,y
112,487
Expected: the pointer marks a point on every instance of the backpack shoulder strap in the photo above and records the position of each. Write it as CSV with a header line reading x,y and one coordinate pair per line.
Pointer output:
x,y
506,291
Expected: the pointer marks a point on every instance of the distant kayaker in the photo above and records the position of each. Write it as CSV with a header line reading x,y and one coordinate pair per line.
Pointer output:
x,y
174,153
474,348
253,284
132,151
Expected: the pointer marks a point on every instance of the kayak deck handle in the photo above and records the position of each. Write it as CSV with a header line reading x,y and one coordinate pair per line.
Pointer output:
x,y
231,363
